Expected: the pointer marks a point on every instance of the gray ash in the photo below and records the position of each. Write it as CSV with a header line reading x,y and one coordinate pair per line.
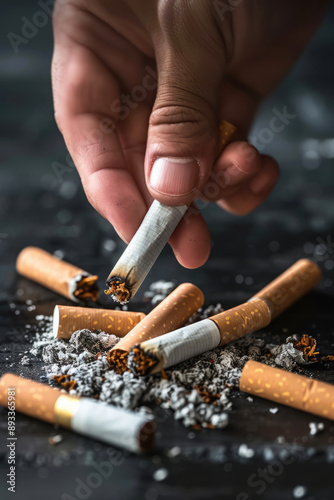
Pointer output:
x,y
198,391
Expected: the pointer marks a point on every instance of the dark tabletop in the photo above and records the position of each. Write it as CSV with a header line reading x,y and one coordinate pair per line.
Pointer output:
x,y
37,208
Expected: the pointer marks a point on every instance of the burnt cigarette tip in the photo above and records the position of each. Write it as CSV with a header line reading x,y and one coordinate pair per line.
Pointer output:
x,y
141,362
87,288
119,288
118,360
146,436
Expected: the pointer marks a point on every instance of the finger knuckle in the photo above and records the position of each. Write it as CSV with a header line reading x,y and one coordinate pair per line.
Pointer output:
x,y
180,119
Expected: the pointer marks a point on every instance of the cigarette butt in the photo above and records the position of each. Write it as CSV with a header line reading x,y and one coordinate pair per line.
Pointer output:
x,y
57,275
241,320
32,398
290,286
289,389
86,416
69,319
150,356
169,315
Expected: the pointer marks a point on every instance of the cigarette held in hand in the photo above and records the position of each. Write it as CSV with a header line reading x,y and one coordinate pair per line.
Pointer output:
x,y
160,353
146,245
143,250
86,416
57,275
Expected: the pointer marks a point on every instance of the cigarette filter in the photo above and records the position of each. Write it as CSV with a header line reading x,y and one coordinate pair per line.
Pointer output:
x,y
148,242
69,319
170,314
86,416
61,277
289,389
153,355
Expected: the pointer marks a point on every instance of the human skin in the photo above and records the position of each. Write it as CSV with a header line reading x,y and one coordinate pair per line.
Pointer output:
x,y
213,60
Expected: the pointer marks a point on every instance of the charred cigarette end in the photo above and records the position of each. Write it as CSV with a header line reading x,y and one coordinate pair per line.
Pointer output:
x,y
87,289
119,288
118,360
307,345
64,382
141,362
146,436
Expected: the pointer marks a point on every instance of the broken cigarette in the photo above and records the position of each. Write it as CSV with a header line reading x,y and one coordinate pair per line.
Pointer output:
x,y
86,416
154,355
145,247
69,319
57,275
169,315
289,389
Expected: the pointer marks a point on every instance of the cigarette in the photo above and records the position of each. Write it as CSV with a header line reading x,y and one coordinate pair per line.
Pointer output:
x,y
169,315
57,275
69,319
154,355
146,245
143,250
289,389
86,416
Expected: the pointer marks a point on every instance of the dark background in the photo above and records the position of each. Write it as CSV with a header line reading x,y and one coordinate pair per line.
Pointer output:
x,y
38,208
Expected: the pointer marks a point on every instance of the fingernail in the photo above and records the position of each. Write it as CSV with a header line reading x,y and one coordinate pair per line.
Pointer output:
x,y
260,184
174,176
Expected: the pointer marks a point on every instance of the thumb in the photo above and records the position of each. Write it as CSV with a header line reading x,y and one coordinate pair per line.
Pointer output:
x,y
183,135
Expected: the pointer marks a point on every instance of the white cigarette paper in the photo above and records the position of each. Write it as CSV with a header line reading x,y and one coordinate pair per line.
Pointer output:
x,y
183,344
110,424
145,247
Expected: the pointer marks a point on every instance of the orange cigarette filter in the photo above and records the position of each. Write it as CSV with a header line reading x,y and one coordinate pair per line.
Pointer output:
x,y
169,315
69,319
57,275
269,302
289,389
290,286
32,398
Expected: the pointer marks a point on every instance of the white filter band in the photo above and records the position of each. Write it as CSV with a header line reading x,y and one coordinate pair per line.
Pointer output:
x,y
109,424
184,343
148,242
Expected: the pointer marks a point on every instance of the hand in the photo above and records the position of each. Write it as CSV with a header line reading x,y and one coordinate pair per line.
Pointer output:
x,y
140,88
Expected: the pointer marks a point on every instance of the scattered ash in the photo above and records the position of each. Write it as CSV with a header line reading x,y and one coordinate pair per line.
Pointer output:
x,y
205,313
25,361
316,427
198,391
158,291
44,335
